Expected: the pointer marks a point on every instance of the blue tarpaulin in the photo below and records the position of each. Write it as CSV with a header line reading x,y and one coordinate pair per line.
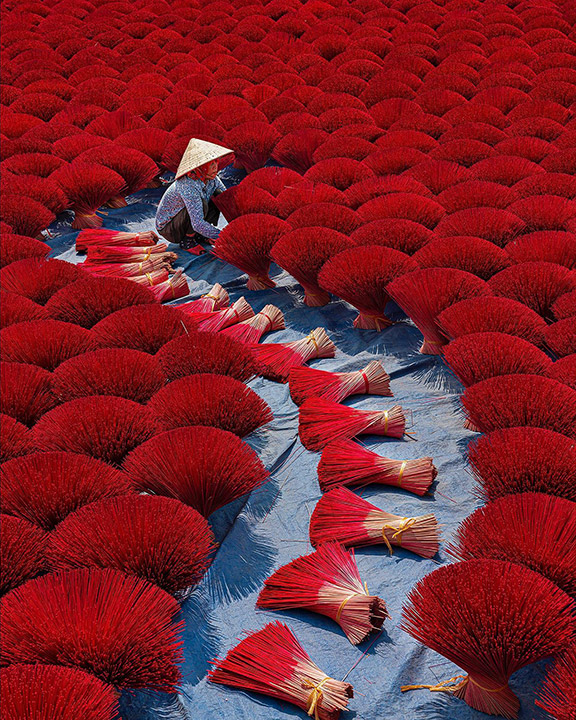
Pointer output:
x,y
258,534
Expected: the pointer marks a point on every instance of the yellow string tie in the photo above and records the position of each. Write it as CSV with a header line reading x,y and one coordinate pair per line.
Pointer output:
x,y
347,599
402,468
385,421
212,297
446,687
148,253
312,339
406,524
314,697
150,280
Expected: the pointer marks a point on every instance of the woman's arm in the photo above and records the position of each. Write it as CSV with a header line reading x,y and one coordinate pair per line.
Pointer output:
x,y
193,200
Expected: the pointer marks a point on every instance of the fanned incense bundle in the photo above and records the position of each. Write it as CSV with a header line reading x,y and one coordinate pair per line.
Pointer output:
x,y
53,691
44,487
492,314
214,300
564,370
208,352
102,236
25,392
157,539
558,695
15,439
308,382
111,371
479,356
360,276
521,400
490,618
119,628
221,468
220,319
38,279
327,582
17,308
250,331
424,294
323,421
342,516
213,400
18,247
104,427
511,461
278,359
23,547
345,462
530,529
272,662
171,289
143,327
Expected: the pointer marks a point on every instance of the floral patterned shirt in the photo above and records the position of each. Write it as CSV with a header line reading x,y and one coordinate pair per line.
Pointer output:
x,y
189,193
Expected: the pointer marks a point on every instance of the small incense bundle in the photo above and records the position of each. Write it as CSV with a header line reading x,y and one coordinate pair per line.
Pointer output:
x,y
307,382
346,462
490,618
342,516
327,582
278,359
250,331
323,421
97,254
146,272
214,321
156,277
103,236
173,288
271,661
214,300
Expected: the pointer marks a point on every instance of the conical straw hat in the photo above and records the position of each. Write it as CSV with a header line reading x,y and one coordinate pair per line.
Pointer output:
x,y
198,153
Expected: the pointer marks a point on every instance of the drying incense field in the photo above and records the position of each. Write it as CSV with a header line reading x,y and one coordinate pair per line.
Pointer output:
x,y
325,467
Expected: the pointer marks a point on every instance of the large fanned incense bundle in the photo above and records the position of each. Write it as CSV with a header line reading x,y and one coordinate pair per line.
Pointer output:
x,y
25,392
360,276
214,300
103,236
111,371
492,314
221,468
220,319
207,399
558,696
530,529
278,359
272,662
564,370
38,279
303,252
342,516
52,691
308,382
19,247
424,294
511,461
23,548
327,582
15,439
154,538
479,356
250,331
119,628
17,308
490,618
345,462
517,400
44,487
208,352
323,421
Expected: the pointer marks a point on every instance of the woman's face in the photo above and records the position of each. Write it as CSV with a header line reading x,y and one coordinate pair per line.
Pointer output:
x,y
210,170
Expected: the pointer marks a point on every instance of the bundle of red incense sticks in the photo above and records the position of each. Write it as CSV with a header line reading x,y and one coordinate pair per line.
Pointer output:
x,y
322,421
345,462
278,359
271,661
345,517
220,319
214,300
327,582
250,331
307,382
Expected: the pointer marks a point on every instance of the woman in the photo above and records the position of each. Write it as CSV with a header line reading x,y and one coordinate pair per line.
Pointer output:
x,y
186,214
